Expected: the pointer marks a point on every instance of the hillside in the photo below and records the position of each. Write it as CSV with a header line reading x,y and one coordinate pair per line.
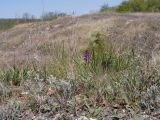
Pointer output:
x,y
26,41
102,66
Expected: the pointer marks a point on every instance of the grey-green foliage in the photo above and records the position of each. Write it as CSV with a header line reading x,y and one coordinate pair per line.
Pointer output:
x,y
12,111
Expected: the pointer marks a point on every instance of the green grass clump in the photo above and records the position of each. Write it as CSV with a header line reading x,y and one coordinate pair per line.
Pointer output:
x,y
14,74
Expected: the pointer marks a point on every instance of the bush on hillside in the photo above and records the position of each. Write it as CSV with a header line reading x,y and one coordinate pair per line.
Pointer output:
x,y
134,6
104,8
107,8
139,6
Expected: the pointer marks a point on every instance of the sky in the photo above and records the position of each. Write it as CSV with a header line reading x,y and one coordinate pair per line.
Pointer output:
x,y
16,8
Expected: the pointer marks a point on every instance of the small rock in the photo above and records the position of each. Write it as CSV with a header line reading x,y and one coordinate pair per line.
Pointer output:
x,y
82,118
24,93
143,106
57,117
45,109
116,106
85,118
115,118
56,26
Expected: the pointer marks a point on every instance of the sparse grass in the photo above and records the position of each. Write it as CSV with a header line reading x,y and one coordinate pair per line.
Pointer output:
x,y
108,77
73,85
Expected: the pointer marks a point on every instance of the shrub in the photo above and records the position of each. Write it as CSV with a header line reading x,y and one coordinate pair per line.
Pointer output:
x,y
139,6
124,7
106,8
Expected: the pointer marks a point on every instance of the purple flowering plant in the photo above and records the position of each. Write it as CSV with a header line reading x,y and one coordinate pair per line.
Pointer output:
x,y
86,56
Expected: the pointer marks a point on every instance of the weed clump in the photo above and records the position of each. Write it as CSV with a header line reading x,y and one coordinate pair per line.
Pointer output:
x,y
102,56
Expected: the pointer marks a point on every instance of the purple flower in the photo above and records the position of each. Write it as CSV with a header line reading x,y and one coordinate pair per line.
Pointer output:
x,y
86,56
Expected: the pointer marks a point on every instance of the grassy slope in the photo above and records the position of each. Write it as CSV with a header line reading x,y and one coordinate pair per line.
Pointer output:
x,y
123,29
130,83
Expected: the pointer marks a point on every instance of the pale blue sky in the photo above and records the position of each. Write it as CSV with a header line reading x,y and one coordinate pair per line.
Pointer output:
x,y
15,8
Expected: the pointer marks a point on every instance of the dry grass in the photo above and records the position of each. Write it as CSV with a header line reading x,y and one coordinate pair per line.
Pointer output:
x,y
47,58
133,30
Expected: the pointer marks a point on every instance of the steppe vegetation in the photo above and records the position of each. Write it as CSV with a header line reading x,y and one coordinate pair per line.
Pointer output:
x,y
102,66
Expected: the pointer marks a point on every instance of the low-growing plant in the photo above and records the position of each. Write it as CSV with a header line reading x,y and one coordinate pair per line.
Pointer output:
x,y
12,111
